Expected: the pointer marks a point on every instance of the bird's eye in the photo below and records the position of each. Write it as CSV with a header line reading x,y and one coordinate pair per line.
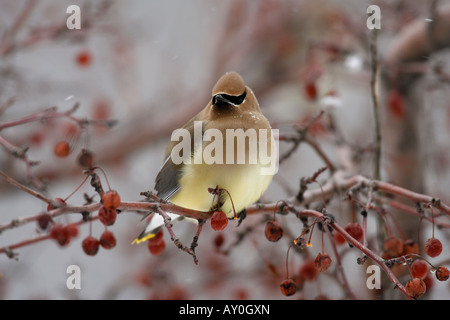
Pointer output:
x,y
224,99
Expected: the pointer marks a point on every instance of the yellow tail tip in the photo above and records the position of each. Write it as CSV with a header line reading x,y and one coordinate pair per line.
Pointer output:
x,y
143,239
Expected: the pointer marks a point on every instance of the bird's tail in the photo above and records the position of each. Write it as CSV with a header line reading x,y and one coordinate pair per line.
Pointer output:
x,y
154,224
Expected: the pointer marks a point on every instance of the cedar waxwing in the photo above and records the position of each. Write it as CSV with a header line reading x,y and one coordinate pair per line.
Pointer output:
x,y
229,145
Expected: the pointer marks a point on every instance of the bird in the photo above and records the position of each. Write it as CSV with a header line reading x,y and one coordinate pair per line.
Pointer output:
x,y
213,157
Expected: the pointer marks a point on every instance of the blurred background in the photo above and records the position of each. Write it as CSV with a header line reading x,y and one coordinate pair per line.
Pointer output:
x,y
151,66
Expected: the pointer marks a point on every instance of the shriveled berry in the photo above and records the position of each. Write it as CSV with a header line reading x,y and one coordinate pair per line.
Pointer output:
x,y
62,149
442,273
322,262
107,240
393,246
415,288
410,247
288,287
308,270
90,245
433,247
273,231
86,159
111,200
355,230
43,220
107,217
219,220
419,269
60,234
157,249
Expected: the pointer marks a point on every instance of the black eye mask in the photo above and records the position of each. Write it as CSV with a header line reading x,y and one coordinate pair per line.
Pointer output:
x,y
226,99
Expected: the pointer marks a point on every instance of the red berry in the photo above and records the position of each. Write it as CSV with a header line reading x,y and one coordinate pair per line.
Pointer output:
x,y
419,269
86,159
83,58
58,202
43,220
288,287
219,220
429,282
101,110
72,230
158,238
393,246
308,270
90,245
355,230
338,238
433,247
322,262
410,247
396,104
442,273
107,240
111,200
157,249
273,231
62,149
415,288
107,217
60,234
219,240
310,90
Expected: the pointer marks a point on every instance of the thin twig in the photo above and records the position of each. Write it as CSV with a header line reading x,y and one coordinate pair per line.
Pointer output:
x,y
374,95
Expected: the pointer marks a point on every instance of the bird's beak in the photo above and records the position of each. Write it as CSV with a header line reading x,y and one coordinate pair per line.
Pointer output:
x,y
218,99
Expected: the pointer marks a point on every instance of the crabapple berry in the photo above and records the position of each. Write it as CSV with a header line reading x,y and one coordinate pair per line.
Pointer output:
x,y
72,230
157,238
107,240
273,231
308,270
62,149
442,273
107,217
410,247
288,287
111,200
355,230
58,202
83,58
322,262
310,90
415,288
43,220
433,247
419,269
219,220
219,240
90,245
393,246
86,159
158,248
60,234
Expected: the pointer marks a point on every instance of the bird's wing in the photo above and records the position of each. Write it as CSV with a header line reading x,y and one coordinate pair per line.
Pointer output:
x,y
166,183
167,180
